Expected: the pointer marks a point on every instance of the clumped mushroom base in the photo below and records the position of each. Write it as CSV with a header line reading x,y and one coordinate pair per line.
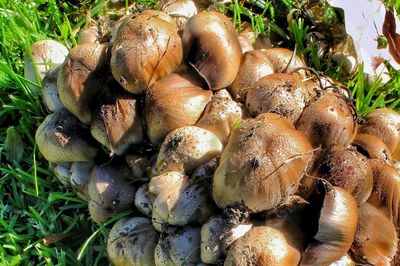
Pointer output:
x,y
224,154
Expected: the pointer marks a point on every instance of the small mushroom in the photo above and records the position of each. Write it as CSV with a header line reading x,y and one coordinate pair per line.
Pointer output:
x,y
50,97
80,172
142,200
61,138
186,148
384,124
43,56
62,172
221,115
120,122
109,193
328,119
180,248
375,241
280,93
179,10
132,241
89,35
211,46
346,168
177,202
283,59
81,78
217,236
372,147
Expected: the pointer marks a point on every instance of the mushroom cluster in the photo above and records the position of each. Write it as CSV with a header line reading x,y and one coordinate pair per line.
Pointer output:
x,y
224,154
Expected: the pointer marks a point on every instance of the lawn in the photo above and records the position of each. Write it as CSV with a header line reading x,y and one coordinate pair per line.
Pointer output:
x,y
44,223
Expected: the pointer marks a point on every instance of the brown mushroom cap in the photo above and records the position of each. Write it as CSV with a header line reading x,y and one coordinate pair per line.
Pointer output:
x,y
212,47
262,245
179,10
328,119
121,123
262,164
347,169
280,93
372,147
375,241
255,65
337,222
81,78
61,138
173,102
283,60
386,190
385,124
155,45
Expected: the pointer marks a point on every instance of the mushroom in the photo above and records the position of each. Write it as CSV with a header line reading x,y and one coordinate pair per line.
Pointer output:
x,y
331,225
180,10
155,45
80,172
89,35
211,46
62,172
43,56
328,119
386,190
375,241
173,102
280,93
61,138
262,164
142,200
120,122
372,147
283,59
50,97
346,168
263,245
81,78
221,115
180,248
186,148
254,66
132,241
109,193
384,124
177,202
217,236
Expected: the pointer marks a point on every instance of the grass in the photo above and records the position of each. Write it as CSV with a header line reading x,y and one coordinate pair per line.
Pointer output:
x,y
43,223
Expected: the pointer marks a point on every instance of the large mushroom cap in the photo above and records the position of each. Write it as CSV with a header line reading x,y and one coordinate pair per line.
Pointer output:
x,y
212,47
155,45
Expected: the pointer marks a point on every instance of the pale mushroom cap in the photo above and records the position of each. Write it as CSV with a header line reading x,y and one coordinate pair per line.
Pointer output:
x,y
46,54
132,241
182,248
186,148
60,138
49,93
